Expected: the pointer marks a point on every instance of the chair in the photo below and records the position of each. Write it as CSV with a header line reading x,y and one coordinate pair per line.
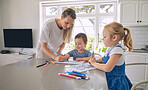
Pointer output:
x,y
141,82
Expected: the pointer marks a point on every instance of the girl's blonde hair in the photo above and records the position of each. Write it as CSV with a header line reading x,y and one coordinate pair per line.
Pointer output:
x,y
68,33
124,34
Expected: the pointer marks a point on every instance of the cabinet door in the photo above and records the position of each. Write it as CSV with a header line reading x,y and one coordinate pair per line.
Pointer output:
x,y
147,69
135,73
143,13
129,13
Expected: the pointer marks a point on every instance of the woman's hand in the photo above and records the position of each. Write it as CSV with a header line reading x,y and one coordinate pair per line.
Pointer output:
x,y
60,58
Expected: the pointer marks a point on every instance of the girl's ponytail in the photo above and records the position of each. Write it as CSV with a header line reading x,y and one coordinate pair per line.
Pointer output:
x,y
127,40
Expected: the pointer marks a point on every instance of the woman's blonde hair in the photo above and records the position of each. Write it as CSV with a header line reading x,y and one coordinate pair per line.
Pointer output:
x,y
124,34
68,33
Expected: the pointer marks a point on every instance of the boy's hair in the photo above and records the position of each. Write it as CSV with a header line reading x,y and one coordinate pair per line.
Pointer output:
x,y
83,36
67,33
124,34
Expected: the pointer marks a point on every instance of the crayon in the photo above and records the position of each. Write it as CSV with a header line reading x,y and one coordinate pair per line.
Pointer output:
x,y
71,76
60,54
92,54
52,62
75,73
46,64
78,73
41,65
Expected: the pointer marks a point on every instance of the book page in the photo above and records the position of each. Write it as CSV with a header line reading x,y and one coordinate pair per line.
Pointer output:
x,y
71,63
79,68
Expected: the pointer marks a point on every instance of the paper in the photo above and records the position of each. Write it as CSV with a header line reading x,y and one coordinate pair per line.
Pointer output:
x,y
71,63
79,68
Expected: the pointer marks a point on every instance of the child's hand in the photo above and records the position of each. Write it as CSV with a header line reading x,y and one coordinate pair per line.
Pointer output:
x,y
78,59
67,56
92,60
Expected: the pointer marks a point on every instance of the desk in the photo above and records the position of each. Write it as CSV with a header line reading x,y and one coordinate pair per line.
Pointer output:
x,y
25,76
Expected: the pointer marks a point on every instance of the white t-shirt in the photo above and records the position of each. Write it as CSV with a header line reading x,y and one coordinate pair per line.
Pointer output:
x,y
52,35
118,50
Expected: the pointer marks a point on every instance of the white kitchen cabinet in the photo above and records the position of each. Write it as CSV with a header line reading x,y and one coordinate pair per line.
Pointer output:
x,y
136,73
143,12
133,13
147,69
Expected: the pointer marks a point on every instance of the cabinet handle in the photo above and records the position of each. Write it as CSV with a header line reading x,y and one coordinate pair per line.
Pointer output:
x,y
140,21
137,21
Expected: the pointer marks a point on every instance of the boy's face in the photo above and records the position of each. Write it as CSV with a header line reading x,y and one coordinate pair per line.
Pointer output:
x,y
79,44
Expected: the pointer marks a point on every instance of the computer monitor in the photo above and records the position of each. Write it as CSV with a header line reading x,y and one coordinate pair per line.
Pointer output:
x,y
18,38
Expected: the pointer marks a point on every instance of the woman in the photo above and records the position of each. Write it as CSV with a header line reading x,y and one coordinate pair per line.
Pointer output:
x,y
55,34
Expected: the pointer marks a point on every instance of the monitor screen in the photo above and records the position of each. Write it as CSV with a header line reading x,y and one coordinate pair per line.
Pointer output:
x,y
18,38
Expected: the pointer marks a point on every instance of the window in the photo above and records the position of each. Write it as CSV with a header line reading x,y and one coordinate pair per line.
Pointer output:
x,y
51,11
91,18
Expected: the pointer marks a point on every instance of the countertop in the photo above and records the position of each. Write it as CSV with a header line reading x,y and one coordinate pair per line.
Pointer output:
x,y
137,53
140,51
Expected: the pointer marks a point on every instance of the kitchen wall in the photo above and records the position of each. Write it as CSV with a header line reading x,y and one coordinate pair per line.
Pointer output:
x,y
0,29
20,14
139,36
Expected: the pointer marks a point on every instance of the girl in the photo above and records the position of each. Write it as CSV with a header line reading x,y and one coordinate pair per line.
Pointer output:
x,y
113,61
54,34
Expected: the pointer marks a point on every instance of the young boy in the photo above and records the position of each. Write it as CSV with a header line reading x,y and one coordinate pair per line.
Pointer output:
x,y
79,54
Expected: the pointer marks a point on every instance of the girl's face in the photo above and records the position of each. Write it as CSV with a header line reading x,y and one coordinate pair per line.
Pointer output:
x,y
107,39
79,44
67,22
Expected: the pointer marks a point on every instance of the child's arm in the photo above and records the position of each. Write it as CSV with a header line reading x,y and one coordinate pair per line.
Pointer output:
x,y
99,60
89,55
83,59
109,65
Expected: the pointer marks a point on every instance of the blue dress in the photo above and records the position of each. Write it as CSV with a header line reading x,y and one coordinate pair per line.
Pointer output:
x,y
116,79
